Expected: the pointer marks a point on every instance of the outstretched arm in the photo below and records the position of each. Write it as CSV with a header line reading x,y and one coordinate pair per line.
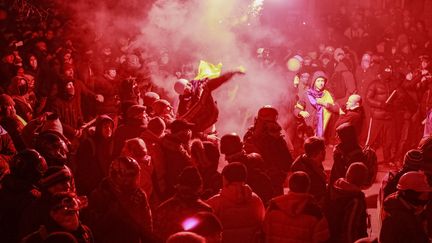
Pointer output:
x,y
215,83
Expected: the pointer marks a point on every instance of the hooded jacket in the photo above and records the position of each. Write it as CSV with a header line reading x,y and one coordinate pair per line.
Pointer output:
x,y
401,224
240,211
94,157
346,212
319,116
295,217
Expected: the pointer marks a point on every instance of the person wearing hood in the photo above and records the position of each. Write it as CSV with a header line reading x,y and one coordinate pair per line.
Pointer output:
x,y
404,210
18,90
67,100
137,149
379,96
94,156
319,105
171,216
346,208
266,138
175,148
134,124
118,208
295,216
345,152
240,210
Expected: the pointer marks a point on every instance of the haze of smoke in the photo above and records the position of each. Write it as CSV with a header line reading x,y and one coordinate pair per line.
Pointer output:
x,y
211,30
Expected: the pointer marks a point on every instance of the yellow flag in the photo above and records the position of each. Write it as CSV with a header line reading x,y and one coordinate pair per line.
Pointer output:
x,y
208,70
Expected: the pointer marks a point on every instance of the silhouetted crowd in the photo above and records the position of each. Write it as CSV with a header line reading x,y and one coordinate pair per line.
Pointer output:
x,y
92,149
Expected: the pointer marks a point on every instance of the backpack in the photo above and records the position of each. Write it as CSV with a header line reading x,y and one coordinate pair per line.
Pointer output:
x,y
337,86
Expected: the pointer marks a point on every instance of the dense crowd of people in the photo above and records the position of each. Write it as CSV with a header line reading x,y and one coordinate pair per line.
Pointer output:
x,y
93,150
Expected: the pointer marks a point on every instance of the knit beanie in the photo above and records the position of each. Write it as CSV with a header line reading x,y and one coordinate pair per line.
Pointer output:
x,y
190,177
156,125
413,159
150,97
235,172
357,174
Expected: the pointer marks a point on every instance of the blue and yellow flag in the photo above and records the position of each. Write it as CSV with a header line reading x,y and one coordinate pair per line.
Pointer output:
x,y
208,70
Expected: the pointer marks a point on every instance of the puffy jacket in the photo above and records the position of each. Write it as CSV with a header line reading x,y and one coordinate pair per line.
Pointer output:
x,y
295,217
400,223
240,211
346,212
376,96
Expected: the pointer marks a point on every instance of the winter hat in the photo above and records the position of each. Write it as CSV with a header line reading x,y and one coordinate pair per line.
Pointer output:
x,y
235,172
180,125
55,175
190,177
156,125
299,182
357,174
150,97
52,123
180,85
136,146
6,100
159,106
413,159
135,110
60,237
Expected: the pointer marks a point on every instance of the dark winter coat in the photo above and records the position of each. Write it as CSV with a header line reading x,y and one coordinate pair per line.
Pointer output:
x,y
401,224
118,216
346,212
240,211
295,217
355,117
378,93
175,158
316,174
131,129
93,159
343,157
274,151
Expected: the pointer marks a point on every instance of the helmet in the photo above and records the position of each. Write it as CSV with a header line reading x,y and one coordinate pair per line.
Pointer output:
x,y
29,165
231,143
414,180
268,113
